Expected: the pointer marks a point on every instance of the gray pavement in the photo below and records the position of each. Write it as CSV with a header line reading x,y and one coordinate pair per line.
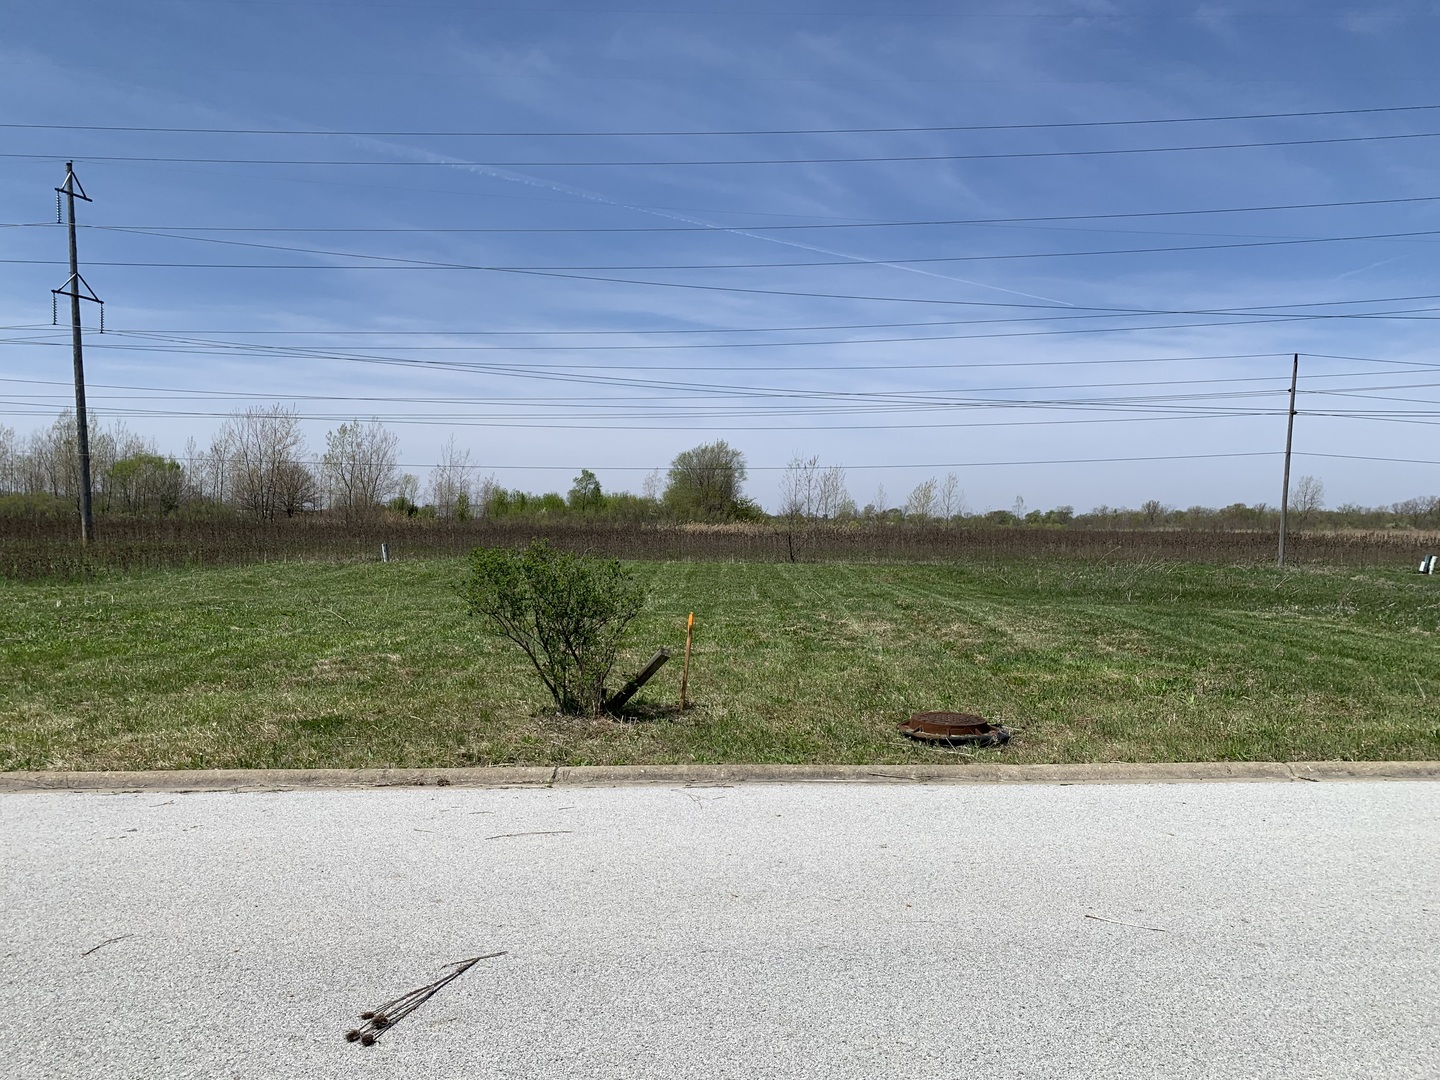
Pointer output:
x,y
1280,929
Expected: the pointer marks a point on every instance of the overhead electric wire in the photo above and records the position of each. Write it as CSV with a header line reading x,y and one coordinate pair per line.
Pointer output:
x,y
424,264
918,223
1113,329
196,394
713,162
615,365
565,372
1363,457
873,399
1312,113
407,263
849,261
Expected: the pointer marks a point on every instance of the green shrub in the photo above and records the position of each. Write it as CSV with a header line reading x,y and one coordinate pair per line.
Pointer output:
x,y
567,612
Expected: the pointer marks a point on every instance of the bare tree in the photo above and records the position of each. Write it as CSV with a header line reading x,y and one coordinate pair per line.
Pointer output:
x,y
211,470
799,488
360,467
452,481
51,460
47,460
1308,496
485,493
265,474
190,491
878,505
653,486
951,498
921,503
297,488
407,494
10,467
1423,511
832,499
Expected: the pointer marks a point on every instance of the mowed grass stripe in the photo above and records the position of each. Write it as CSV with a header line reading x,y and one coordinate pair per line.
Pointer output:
x,y
313,665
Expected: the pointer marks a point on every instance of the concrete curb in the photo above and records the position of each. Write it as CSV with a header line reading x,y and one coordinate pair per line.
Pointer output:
x,y
522,776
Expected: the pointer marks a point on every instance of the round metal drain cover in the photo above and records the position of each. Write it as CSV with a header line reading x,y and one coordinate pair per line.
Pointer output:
x,y
953,728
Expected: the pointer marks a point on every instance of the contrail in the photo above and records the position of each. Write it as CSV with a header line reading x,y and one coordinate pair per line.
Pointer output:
x,y
592,196
1372,266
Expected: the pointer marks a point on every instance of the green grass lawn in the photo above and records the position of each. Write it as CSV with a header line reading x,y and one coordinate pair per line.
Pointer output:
x,y
304,665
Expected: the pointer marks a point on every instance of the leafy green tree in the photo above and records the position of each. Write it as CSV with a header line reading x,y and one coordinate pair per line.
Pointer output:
x,y
146,484
705,482
585,494
567,613
499,504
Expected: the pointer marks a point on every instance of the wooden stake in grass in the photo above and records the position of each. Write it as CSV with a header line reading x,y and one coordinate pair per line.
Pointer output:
x,y
685,674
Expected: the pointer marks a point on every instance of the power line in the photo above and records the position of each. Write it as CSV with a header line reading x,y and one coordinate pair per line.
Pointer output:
x,y
828,14
1361,457
418,264
238,348
422,264
641,332
932,223
677,163
741,132
1266,321
173,393
293,352
874,398
202,347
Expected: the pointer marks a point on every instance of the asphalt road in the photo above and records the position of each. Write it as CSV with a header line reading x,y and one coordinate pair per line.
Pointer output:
x,y
822,930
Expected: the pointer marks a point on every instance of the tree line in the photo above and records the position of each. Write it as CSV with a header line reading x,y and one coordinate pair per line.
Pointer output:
x,y
258,465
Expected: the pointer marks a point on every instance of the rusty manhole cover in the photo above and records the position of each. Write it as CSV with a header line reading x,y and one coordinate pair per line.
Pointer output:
x,y
954,729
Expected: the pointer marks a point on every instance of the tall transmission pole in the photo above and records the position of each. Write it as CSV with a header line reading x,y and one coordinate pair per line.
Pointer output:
x,y
1289,441
70,191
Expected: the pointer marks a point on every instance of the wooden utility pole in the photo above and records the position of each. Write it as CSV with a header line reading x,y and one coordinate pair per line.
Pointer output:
x,y
71,190
1289,441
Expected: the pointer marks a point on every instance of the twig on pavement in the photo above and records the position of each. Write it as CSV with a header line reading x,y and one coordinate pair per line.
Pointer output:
x,y
1119,922
107,941
383,1017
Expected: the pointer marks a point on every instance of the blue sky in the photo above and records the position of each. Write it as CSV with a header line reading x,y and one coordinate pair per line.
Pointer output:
x,y
907,238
